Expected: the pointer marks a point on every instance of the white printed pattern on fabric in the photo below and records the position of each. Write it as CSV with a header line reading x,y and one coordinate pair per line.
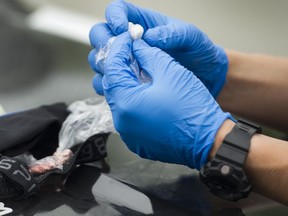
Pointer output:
x,y
4,210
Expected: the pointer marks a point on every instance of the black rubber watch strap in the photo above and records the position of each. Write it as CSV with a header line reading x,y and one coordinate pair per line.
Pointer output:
x,y
236,144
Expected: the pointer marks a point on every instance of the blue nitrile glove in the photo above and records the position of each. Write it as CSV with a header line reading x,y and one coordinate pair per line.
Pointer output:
x,y
99,36
172,119
183,41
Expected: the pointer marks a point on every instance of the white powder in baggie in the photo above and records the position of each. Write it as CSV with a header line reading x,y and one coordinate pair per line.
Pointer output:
x,y
136,31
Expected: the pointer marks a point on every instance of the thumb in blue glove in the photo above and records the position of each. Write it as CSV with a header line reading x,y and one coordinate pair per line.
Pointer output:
x,y
183,41
172,119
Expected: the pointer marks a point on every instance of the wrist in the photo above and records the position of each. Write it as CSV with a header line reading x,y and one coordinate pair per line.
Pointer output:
x,y
225,128
224,174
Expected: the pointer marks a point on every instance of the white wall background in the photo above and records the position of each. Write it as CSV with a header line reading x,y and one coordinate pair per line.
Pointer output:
x,y
251,26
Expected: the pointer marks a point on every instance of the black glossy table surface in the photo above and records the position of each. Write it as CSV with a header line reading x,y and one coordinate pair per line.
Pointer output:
x,y
134,186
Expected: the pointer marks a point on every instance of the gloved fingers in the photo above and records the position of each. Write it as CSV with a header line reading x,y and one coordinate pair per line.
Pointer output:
x,y
97,84
118,74
171,36
98,68
154,61
120,12
99,35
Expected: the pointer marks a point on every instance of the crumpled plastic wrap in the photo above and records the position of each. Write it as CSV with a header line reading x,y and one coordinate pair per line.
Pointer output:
x,y
136,32
27,157
43,165
88,117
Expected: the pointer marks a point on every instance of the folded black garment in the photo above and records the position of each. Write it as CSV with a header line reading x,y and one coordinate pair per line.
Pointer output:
x,y
37,131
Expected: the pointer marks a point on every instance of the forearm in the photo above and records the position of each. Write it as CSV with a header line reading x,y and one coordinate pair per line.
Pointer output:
x,y
257,88
267,166
266,163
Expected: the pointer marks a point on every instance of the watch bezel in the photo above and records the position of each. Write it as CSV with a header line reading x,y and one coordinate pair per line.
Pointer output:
x,y
231,186
224,174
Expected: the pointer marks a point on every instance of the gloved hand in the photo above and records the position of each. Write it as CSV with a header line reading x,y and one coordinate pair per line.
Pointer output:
x,y
183,41
99,36
172,119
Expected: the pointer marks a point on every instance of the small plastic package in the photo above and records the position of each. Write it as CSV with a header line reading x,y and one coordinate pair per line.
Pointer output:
x,y
136,31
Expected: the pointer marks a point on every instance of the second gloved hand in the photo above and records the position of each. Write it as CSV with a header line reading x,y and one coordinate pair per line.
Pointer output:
x,y
185,42
172,119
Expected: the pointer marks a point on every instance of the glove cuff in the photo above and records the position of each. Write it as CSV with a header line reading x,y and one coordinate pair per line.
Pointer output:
x,y
211,138
220,72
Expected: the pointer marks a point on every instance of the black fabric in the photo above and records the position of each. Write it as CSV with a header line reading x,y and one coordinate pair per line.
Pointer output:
x,y
18,172
35,130
17,181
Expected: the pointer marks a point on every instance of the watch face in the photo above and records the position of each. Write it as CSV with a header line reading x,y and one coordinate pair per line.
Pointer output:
x,y
225,180
226,185
224,174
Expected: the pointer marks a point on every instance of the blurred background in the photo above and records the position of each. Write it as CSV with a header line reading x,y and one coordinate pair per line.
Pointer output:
x,y
44,44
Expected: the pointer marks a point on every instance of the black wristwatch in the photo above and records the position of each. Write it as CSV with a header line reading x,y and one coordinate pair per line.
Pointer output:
x,y
224,174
